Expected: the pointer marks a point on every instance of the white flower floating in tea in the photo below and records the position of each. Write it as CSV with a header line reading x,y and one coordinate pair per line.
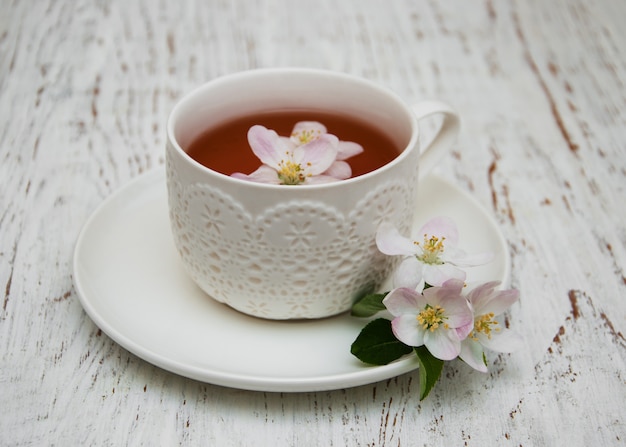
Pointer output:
x,y
309,156
436,322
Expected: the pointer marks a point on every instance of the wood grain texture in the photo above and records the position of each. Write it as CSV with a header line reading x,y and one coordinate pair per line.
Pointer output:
x,y
85,90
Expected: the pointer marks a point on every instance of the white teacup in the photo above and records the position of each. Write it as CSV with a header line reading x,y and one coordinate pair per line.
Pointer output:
x,y
305,251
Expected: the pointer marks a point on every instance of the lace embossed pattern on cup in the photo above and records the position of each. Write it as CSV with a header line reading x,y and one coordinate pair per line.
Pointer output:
x,y
297,259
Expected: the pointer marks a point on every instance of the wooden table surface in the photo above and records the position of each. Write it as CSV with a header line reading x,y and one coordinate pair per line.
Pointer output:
x,y
85,91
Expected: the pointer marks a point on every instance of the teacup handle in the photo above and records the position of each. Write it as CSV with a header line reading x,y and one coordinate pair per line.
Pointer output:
x,y
441,143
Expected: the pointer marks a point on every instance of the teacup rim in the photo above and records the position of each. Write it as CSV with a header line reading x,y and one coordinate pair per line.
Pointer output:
x,y
407,149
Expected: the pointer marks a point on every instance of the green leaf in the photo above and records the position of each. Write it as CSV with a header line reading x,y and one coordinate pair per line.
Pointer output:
x,y
369,305
377,345
430,370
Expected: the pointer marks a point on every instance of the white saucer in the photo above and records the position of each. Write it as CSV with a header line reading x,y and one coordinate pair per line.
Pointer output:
x,y
132,285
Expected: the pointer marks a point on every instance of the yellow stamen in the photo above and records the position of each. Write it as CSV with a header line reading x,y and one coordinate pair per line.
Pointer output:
x,y
432,317
432,248
290,173
306,136
483,324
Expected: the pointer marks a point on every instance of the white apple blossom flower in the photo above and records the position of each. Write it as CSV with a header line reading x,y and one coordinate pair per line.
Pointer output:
x,y
488,303
438,318
435,259
310,155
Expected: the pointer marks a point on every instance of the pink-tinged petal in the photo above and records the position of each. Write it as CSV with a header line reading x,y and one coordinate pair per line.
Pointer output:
x,y
390,242
264,174
441,345
407,330
472,354
501,301
437,274
485,299
288,143
451,289
480,295
457,311
453,286
408,273
402,301
348,149
505,340
463,332
455,256
340,170
442,227
267,146
318,155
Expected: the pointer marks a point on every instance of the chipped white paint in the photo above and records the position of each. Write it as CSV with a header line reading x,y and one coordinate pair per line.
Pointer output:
x,y
85,88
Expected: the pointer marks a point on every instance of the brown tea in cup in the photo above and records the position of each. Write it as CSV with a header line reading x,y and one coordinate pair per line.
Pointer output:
x,y
224,148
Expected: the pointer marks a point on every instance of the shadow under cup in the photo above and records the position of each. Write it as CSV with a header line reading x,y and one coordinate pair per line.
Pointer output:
x,y
288,252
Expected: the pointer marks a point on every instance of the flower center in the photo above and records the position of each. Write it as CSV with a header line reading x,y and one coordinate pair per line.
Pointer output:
x,y
306,136
431,249
483,324
290,173
431,317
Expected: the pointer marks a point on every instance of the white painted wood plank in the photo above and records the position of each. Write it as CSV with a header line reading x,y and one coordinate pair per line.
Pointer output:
x,y
85,89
